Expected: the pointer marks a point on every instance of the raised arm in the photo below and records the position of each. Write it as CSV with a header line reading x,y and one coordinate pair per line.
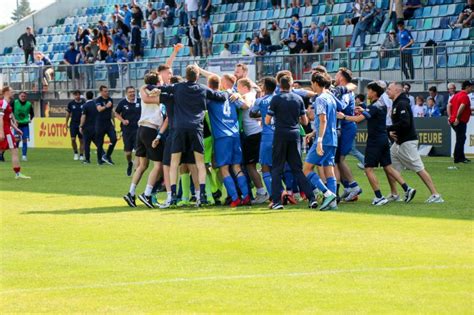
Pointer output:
x,y
172,57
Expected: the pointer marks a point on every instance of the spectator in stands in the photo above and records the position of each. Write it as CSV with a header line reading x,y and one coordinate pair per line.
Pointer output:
x,y
292,43
312,32
94,42
85,38
27,42
365,20
195,36
451,91
150,28
136,41
207,36
276,4
357,7
89,61
246,49
322,38
46,72
306,46
406,54
225,52
181,13
419,109
159,29
78,35
410,7
191,7
265,38
394,14
105,42
171,4
295,27
71,58
459,115
149,9
466,16
432,109
102,26
117,12
126,16
275,37
259,50
112,69
438,99
389,44
206,7
137,15
406,89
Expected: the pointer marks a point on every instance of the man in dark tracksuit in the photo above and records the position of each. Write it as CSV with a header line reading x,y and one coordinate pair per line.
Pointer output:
x,y
27,42
288,111
87,127
104,125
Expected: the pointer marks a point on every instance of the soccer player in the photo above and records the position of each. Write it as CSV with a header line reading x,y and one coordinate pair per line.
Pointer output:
x,y
260,109
190,103
73,113
24,114
404,150
288,111
348,130
105,125
128,112
149,147
7,139
225,130
87,127
322,152
377,151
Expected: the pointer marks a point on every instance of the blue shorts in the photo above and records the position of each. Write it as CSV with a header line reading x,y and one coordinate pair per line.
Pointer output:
x,y
26,132
327,159
227,151
344,144
266,153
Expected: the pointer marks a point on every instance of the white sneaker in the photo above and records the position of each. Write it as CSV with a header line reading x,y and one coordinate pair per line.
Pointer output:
x,y
81,158
393,198
353,194
435,199
76,157
21,176
361,166
24,158
259,199
345,193
164,205
379,201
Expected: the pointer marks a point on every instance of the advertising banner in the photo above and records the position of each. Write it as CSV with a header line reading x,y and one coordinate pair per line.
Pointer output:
x,y
52,132
469,144
433,131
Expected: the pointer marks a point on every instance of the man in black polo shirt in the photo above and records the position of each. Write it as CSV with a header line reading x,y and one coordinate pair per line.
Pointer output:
x,y
288,111
87,127
404,150
74,112
128,112
105,125
377,150
189,106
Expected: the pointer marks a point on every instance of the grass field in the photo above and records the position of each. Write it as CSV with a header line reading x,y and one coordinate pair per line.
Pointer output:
x,y
69,244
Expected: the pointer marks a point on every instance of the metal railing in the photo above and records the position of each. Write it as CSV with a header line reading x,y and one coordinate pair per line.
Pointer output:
x,y
441,64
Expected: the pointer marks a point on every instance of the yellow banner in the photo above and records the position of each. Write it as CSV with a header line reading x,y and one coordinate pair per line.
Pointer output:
x,y
53,133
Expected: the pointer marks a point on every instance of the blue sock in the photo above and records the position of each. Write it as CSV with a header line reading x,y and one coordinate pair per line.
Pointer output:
x,y
244,188
295,188
288,178
230,187
345,183
173,189
267,179
316,181
353,184
24,148
332,184
202,188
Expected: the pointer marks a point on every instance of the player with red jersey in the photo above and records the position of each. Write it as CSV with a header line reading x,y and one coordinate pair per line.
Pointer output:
x,y
7,139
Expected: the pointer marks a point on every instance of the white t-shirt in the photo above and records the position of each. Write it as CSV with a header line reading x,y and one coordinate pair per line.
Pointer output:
x,y
251,125
225,53
419,111
158,21
412,101
192,5
152,114
389,103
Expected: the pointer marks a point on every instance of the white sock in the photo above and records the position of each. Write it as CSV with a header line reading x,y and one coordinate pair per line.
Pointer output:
x,y
261,191
132,189
168,196
148,190
198,195
327,193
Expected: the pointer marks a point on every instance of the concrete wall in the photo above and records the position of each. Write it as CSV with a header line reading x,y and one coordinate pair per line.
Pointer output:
x,y
43,18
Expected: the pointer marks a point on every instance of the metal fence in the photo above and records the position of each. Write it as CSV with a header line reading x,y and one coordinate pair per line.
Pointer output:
x,y
431,65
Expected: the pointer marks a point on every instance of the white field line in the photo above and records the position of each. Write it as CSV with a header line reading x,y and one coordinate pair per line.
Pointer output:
x,y
234,277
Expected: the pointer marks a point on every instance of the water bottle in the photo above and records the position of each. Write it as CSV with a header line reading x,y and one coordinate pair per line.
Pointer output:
x,y
452,167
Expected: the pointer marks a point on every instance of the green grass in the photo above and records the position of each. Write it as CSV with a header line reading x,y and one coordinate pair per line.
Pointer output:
x,y
69,244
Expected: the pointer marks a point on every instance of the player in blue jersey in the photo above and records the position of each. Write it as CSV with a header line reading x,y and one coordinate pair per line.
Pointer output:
x,y
348,129
323,150
225,131
260,109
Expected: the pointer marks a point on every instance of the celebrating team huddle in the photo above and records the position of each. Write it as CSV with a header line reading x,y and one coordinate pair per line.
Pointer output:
x,y
202,138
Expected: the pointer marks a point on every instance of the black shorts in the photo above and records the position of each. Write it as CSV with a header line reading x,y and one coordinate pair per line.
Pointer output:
x,y
377,154
74,130
186,157
129,137
187,140
251,148
145,137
